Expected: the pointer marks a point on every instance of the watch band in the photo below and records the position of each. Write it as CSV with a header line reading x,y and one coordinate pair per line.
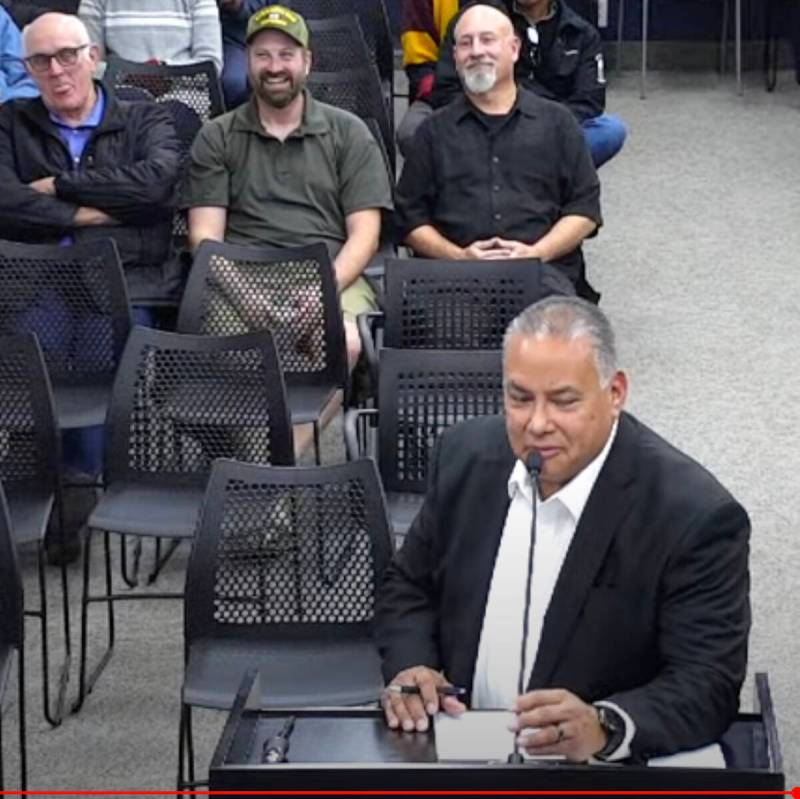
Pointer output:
x,y
614,727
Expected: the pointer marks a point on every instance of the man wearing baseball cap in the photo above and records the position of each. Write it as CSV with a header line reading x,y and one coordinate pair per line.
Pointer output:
x,y
285,170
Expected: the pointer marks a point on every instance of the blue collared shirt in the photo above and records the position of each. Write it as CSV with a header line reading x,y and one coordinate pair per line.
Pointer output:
x,y
77,137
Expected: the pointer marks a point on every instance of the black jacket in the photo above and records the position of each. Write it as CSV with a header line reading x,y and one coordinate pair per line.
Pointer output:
x,y
129,169
569,66
650,610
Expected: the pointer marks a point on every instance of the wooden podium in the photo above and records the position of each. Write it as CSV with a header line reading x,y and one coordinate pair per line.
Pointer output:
x,y
348,749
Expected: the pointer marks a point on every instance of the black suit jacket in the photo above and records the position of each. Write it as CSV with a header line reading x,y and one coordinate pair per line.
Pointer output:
x,y
651,607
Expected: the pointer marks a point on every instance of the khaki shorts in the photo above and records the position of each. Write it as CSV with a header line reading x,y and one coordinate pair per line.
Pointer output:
x,y
358,298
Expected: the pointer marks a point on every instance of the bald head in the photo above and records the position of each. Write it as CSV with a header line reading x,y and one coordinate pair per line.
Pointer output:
x,y
486,18
485,50
61,59
53,27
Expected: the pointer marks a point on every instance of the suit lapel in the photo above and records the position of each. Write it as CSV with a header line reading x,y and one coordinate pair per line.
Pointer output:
x,y
486,529
605,511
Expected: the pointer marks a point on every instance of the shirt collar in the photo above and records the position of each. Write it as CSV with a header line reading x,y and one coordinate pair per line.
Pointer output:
x,y
527,103
95,115
313,123
575,494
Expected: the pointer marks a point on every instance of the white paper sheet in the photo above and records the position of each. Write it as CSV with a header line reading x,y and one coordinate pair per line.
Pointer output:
x,y
705,757
476,735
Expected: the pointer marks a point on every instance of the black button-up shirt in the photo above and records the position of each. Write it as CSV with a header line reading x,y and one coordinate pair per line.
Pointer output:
x,y
471,180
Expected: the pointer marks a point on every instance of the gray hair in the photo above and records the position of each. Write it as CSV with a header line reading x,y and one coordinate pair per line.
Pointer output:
x,y
569,318
69,21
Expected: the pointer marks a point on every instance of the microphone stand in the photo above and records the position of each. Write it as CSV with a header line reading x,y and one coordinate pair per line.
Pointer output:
x,y
534,466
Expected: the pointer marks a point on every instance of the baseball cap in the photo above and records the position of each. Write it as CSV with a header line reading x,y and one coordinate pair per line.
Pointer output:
x,y
278,18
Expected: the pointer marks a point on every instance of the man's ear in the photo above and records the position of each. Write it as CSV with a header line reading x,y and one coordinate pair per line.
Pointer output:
x,y
619,391
516,44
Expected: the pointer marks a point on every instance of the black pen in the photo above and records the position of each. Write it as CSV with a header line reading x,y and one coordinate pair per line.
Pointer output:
x,y
442,690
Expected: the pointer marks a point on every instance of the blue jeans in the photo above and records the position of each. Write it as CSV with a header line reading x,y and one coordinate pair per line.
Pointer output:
x,y
605,136
82,447
234,75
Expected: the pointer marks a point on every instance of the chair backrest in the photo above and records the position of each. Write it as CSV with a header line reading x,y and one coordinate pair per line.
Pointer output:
x,y
461,305
357,91
196,86
74,299
181,401
29,442
287,553
289,291
421,394
12,620
374,22
338,43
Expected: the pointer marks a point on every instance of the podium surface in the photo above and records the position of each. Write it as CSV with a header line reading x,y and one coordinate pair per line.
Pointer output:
x,y
352,749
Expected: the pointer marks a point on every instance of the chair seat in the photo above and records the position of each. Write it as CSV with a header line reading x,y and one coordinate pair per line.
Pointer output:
x,y
81,406
163,510
292,673
30,513
307,402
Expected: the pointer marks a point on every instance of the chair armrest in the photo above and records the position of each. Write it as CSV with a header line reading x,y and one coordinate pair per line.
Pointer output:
x,y
355,445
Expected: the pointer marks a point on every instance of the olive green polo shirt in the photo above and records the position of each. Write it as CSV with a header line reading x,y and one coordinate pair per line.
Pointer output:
x,y
287,193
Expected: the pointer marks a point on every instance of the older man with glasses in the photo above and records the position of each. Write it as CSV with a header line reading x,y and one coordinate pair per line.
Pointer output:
x,y
76,165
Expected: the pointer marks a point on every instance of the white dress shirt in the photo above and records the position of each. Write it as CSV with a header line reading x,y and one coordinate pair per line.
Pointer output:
x,y
557,517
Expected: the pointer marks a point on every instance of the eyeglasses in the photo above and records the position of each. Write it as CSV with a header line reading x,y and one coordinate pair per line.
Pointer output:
x,y
66,57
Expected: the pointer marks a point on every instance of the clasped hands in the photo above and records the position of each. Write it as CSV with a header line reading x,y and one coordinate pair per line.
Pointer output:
x,y
497,249
548,721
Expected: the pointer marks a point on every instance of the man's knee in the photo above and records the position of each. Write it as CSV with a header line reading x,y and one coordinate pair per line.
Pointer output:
x,y
605,136
416,114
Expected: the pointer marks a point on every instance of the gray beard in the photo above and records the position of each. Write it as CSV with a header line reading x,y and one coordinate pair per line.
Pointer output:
x,y
479,81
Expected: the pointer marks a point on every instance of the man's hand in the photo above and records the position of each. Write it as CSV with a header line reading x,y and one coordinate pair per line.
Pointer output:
x,y
410,711
86,216
556,722
44,186
484,249
516,249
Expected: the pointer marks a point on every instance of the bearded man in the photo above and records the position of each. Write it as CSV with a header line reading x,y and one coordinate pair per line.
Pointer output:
x,y
285,170
499,172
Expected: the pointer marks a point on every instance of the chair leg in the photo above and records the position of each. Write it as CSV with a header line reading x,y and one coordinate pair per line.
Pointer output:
x,y
190,745
55,716
2,778
723,39
317,453
738,34
160,561
23,747
86,684
130,580
620,31
181,782
645,31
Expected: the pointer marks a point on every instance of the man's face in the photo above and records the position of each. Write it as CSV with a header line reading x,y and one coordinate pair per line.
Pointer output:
x,y
486,49
555,405
66,88
278,67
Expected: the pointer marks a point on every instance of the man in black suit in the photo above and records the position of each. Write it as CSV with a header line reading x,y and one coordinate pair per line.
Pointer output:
x,y
639,614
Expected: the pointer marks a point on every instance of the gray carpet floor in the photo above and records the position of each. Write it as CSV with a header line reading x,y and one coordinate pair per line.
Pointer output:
x,y
698,266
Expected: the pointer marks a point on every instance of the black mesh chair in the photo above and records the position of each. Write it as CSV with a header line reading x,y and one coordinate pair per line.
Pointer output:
x,y
357,91
75,301
192,93
12,636
178,403
338,43
421,393
454,305
29,463
282,577
195,85
374,22
290,291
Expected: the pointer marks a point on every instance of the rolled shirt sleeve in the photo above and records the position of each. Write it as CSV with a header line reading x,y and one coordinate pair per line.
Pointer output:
x,y
207,180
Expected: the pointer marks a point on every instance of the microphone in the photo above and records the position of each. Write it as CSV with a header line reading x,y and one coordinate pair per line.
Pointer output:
x,y
533,463
275,748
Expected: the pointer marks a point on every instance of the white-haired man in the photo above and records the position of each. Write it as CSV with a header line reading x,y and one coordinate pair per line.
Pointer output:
x,y
77,165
